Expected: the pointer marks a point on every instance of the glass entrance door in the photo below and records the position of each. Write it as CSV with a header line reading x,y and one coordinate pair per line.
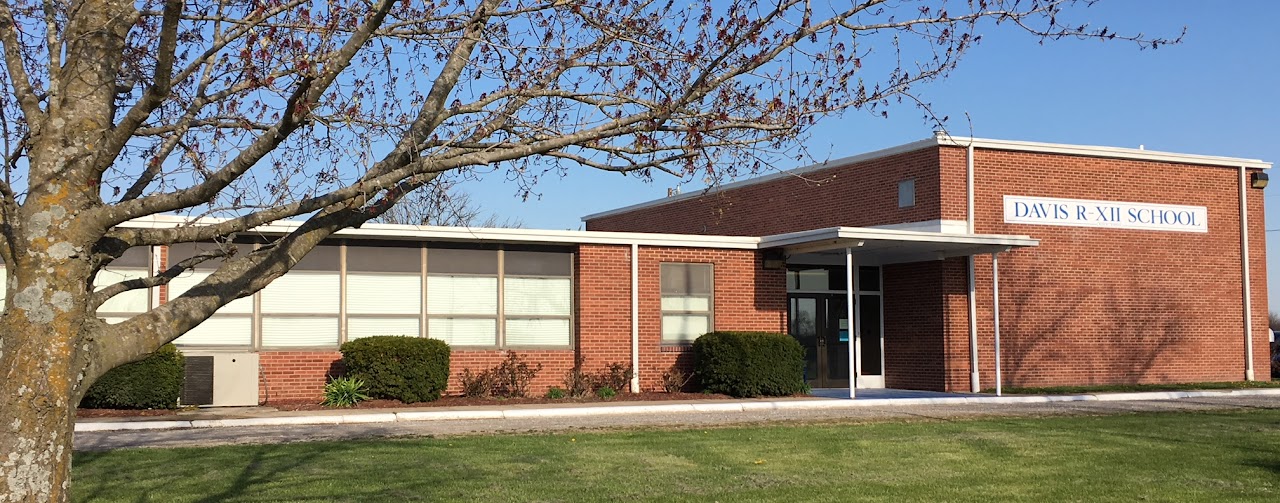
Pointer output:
x,y
821,325
820,321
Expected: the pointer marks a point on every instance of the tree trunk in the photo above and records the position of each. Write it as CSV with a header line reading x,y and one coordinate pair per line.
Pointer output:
x,y
36,419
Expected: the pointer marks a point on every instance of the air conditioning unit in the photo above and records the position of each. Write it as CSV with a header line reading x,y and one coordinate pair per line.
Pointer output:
x,y
220,379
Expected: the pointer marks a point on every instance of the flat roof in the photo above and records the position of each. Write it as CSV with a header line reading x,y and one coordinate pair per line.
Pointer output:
x,y
890,246
478,234
933,245
958,141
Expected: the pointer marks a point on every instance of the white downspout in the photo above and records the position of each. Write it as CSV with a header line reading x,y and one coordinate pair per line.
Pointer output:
x,y
975,385
995,312
1244,267
635,318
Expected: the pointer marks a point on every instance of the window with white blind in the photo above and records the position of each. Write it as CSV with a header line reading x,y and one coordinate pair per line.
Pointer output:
x,y
232,325
133,264
300,309
384,290
686,301
537,299
462,296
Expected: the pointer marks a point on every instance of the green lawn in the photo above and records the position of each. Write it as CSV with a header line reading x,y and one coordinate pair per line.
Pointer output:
x,y
1153,457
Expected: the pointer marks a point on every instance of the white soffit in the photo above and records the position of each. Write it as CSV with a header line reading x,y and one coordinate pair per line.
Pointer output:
x,y
958,141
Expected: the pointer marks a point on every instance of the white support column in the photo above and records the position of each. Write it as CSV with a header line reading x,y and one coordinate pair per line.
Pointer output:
x,y
854,329
975,384
635,318
995,312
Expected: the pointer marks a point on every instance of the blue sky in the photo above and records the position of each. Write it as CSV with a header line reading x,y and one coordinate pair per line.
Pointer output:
x,y
1214,94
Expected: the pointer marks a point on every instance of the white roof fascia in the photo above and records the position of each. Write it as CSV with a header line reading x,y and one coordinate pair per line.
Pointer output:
x,y
1099,151
834,163
854,233
431,233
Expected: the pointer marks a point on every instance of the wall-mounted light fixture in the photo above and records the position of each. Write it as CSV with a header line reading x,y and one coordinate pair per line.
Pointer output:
x,y
774,259
1258,180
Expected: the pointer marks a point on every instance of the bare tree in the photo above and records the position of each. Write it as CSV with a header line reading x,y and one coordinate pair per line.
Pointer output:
x,y
260,110
444,205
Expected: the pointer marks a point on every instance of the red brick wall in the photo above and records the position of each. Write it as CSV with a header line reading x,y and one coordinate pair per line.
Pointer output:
x,y
1088,306
1098,306
746,297
285,376
555,363
861,194
922,327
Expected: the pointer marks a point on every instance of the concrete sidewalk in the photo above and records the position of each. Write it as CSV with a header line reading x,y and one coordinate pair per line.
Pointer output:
x,y
265,416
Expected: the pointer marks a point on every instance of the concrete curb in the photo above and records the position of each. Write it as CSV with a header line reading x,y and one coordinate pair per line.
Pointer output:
x,y
605,410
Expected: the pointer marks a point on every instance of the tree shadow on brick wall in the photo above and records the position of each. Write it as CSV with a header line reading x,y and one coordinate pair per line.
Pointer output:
x,y
1113,334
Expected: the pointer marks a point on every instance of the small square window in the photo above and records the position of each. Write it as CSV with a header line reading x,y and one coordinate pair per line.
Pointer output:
x,y
907,193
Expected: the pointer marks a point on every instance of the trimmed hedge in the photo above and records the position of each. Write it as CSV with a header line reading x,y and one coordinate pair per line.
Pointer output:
x,y
409,369
749,364
155,382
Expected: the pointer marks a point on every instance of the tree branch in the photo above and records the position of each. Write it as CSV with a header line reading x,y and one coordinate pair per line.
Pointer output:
x,y
13,59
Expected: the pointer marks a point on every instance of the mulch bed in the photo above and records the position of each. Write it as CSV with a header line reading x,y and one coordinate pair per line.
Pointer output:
x,y
447,401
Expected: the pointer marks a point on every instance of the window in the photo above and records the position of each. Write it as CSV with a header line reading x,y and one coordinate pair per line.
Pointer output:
x,y
462,296
537,299
384,290
500,298
478,297
135,263
232,325
686,301
907,193
300,309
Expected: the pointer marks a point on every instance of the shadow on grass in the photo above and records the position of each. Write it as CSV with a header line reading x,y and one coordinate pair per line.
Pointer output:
x,y
260,465
1272,465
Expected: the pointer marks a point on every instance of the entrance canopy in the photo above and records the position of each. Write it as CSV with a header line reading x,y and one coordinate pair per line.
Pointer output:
x,y
890,246
856,246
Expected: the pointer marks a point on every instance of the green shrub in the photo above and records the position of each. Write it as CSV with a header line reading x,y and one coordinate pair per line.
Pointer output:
x,y
408,369
749,364
606,393
555,393
155,382
344,392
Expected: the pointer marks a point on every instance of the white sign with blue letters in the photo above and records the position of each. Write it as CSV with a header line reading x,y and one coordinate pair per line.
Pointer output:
x,y
1114,214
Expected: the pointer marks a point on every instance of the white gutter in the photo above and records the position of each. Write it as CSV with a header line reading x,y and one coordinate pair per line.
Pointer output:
x,y
635,318
975,385
1244,267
